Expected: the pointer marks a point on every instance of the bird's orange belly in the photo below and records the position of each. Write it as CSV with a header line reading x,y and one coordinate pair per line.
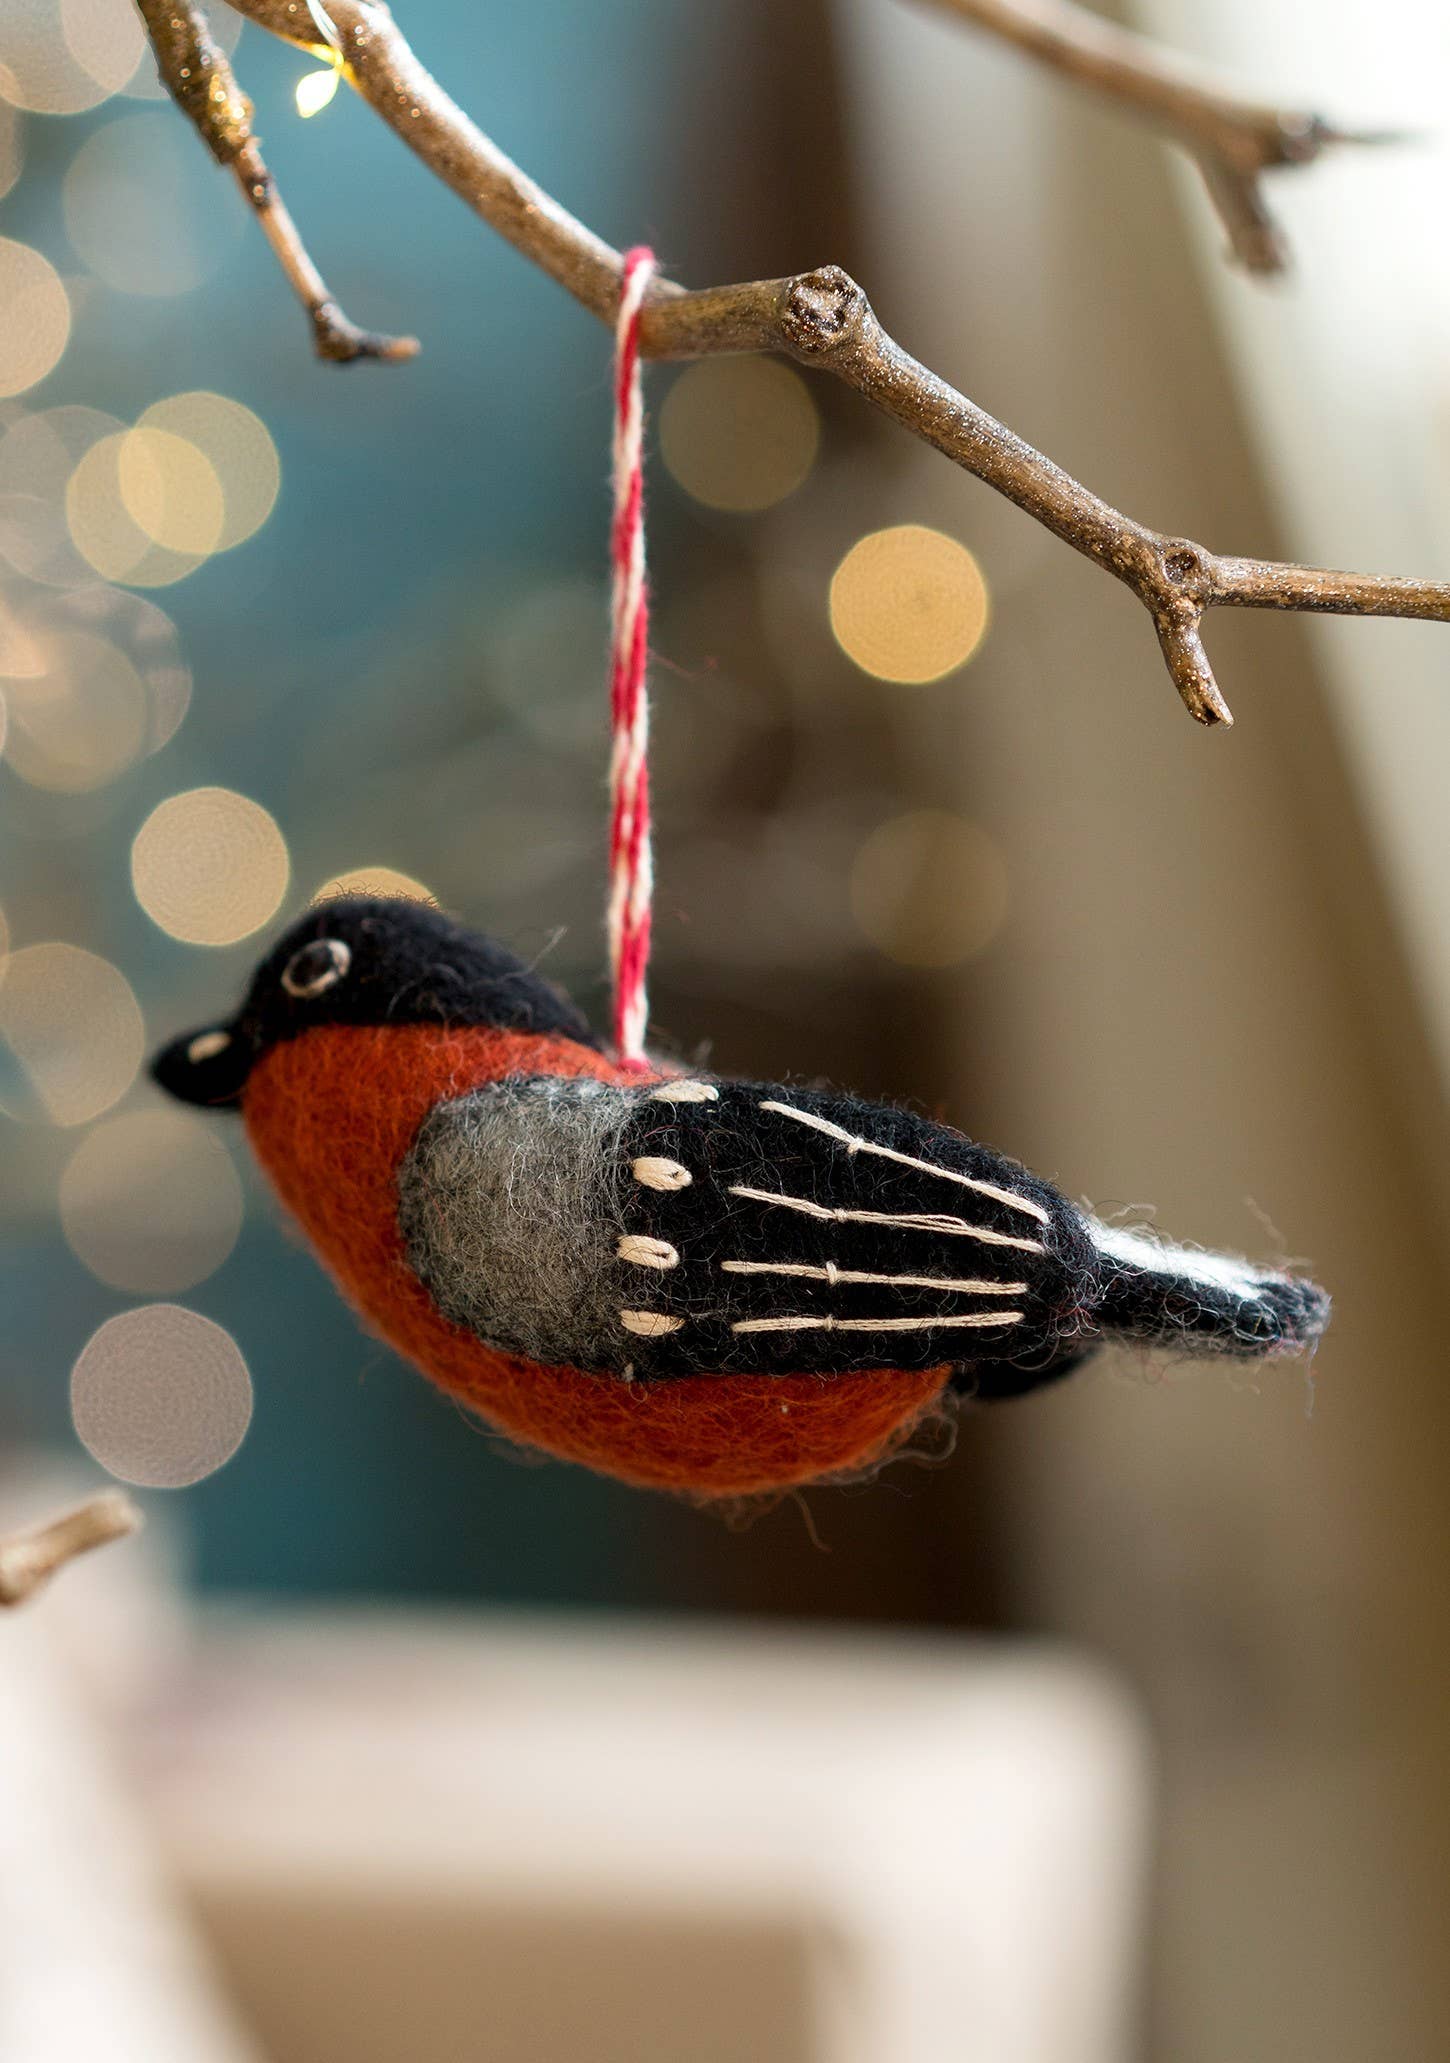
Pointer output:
x,y
330,1116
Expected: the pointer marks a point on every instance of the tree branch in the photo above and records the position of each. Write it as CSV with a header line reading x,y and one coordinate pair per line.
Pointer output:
x,y
1233,141
199,78
28,1560
823,319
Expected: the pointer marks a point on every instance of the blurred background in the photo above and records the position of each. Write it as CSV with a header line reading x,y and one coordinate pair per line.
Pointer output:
x,y
931,823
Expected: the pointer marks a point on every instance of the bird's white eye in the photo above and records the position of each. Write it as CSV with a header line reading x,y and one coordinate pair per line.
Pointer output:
x,y
316,967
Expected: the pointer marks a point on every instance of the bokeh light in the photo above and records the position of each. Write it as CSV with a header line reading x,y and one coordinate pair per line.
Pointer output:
x,y
373,881
12,146
908,604
210,866
22,652
171,490
135,211
739,433
108,535
79,721
146,636
150,1201
929,889
161,1396
198,474
236,445
38,457
105,37
72,1033
60,57
34,317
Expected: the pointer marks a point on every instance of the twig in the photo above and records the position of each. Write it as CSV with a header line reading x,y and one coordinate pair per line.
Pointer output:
x,y
28,1560
1233,141
197,74
823,319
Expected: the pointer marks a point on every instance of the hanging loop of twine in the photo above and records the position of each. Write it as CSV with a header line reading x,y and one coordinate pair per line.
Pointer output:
x,y
631,859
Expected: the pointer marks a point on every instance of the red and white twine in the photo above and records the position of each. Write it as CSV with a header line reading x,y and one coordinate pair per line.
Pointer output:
x,y
631,860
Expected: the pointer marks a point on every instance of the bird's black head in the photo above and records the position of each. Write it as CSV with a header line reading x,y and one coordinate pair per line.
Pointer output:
x,y
365,960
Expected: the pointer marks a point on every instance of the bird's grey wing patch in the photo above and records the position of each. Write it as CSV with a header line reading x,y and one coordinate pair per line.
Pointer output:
x,y
509,1207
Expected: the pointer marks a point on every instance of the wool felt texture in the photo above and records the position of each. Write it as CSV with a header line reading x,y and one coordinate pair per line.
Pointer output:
x,y
408,963
511,1202
789,1249
1200,1303
333,1157
714,1286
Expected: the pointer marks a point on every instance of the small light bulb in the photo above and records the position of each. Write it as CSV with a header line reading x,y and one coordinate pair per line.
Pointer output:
x,y
315,90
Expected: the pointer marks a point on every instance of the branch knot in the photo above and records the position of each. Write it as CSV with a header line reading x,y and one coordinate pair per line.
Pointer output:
x,y
822,310
1185,570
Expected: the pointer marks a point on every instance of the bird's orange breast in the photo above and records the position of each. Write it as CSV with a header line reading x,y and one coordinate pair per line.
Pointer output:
x,y
330,1116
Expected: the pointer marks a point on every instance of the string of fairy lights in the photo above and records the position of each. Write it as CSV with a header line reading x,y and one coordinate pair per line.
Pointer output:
x,y
99,518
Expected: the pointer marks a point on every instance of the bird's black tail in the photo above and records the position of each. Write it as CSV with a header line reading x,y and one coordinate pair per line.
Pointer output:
x,y
1192,1302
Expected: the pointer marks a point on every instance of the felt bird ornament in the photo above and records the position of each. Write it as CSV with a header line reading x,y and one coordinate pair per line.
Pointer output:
x,y
713,1286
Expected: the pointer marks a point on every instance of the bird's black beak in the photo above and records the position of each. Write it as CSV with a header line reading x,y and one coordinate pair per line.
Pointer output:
x,y
208,1067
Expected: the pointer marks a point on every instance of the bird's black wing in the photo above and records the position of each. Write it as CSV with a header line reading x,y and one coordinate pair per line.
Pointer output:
x,y
771,1230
